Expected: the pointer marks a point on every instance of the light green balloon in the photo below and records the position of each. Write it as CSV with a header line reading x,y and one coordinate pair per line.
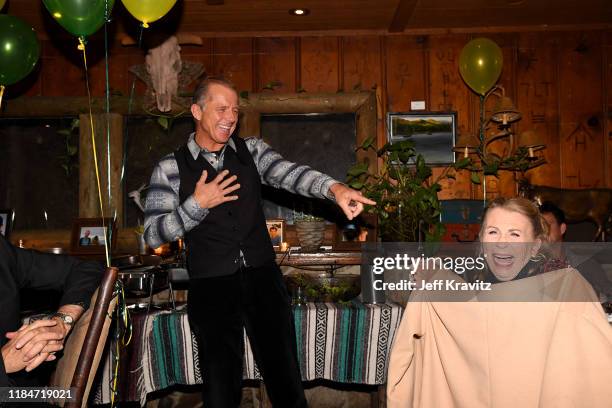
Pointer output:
x,y
480,64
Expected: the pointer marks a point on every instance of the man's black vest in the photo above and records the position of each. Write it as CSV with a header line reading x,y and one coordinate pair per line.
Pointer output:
x,y
213,247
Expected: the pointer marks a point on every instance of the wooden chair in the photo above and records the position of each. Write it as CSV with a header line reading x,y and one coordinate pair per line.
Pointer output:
x,y
87,341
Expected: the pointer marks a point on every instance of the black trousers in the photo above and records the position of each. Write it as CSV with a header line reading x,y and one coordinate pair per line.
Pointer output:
x,y
219,309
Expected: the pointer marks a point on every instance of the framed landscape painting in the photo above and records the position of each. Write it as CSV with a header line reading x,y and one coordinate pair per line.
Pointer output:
x,y
433,134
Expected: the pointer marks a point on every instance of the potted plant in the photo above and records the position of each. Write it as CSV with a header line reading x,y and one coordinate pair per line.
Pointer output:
x,y
407,208
310,231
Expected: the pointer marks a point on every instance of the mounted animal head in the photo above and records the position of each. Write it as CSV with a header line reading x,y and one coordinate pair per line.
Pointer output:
x,y
164,65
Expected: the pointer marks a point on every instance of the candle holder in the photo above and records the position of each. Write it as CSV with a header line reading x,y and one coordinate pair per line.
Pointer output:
x,y
480,160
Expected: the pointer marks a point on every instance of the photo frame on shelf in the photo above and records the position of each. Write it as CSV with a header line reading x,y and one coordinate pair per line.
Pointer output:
x,y
89,235
276,231
6,222
433,134
356,232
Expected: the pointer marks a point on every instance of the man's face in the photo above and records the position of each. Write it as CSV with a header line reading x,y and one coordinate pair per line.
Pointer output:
x,y
273,232
556,231
216,122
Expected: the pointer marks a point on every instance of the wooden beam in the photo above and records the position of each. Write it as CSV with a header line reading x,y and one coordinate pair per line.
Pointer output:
x,y
61,106
89,204
403,14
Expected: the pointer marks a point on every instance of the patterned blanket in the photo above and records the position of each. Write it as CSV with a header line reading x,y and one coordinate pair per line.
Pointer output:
x,y
347,343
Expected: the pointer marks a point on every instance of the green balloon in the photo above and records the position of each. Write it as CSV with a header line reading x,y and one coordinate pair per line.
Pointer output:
x,y
19,49
480,64
79,17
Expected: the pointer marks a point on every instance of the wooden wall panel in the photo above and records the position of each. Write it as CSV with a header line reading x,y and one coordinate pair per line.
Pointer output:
x,y
580,85
560,81
203,54
319,59
505,184
276,64
233,59
607,53
406,72
447,92
361,63
537,100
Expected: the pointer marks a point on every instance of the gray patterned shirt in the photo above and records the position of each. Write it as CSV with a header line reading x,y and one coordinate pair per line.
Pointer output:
x,y
166,219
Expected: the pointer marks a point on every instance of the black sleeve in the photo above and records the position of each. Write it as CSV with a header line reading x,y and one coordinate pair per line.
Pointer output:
x,y
76,279
4,380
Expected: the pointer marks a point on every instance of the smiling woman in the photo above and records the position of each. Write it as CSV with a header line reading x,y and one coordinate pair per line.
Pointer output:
x,y
512,234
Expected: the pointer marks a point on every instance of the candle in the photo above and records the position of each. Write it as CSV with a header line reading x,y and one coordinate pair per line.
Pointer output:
x,y
466,152
531,152
284,246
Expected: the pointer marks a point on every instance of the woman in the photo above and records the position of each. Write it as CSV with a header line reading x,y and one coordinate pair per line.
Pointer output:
x,y
540,352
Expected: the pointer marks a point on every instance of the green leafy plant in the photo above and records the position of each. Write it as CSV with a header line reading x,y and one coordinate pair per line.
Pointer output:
x,y
406,196
70,160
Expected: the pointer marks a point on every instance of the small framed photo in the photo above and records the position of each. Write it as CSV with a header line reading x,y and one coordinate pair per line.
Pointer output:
x,y
89,235
433,134
276,231
6,222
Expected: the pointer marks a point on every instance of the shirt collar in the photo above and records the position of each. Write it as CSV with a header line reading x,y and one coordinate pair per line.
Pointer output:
x,y
195,148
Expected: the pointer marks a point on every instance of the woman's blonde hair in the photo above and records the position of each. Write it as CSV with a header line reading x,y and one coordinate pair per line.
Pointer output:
x,y
522,206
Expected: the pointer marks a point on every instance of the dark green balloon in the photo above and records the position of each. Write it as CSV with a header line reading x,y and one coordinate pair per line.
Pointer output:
x,y
80,17
19,49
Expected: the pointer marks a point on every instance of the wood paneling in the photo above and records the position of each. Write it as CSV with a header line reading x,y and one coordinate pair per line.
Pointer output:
x,y
560,81
406,72
319,59
537,100
275,64
233,58
580,110
447,92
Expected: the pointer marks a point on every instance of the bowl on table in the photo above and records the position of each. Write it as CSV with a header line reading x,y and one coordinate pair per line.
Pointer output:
x,y
323,288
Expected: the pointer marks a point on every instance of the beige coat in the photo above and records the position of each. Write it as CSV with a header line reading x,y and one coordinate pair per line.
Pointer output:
x,y
501,354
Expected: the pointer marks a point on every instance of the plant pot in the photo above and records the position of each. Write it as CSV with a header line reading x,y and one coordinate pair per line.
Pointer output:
x,y
310,234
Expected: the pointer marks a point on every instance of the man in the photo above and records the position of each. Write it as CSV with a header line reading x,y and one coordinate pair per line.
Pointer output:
x,y
85,240
209,191
28,346
274,237
588,267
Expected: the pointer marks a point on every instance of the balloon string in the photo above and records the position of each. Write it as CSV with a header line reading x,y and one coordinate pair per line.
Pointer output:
x,y
126,137
1,93
107,92
93,147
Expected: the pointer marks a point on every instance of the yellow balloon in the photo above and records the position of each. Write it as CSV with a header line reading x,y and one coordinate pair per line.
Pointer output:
x,y
2,3
148,11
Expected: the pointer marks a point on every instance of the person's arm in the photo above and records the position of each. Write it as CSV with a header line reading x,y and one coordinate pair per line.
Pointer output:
x,y
277,172
166,219
76,279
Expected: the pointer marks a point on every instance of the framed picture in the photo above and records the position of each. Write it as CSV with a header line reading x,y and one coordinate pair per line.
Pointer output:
x,y
89,235
433,134
353,234
6,222
276,231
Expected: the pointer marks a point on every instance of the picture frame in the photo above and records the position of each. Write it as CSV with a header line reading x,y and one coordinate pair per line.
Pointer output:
x,y
89,235
6,222
355,233
276,231
433,134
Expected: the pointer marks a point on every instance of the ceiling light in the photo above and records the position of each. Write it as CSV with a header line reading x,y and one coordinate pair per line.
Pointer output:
x,y
299,12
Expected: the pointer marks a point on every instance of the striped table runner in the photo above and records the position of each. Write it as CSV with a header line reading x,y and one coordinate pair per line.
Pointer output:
x,y
346,343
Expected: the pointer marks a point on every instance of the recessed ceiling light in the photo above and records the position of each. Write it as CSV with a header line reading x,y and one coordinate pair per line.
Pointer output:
x,y
299,12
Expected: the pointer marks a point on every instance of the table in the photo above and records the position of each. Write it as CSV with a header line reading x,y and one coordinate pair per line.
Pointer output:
x,y
348,343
